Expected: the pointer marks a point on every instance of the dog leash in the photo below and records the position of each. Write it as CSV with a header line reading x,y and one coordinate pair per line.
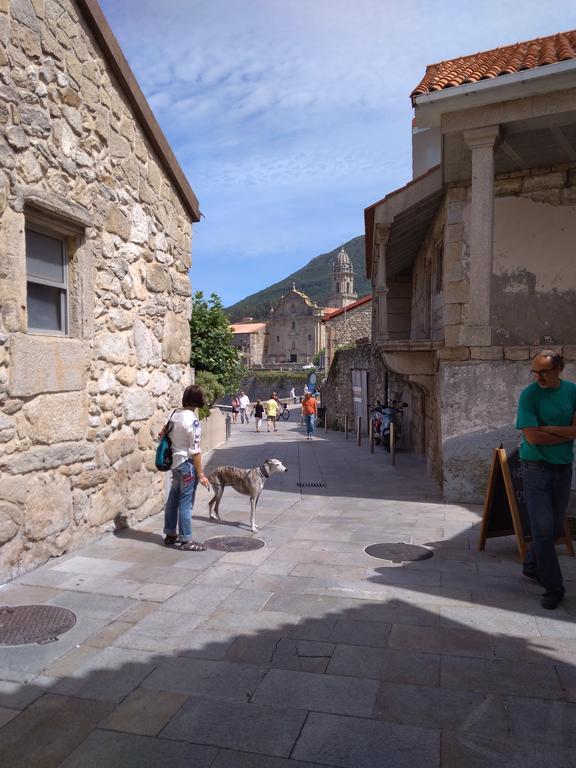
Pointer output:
x,y
264,472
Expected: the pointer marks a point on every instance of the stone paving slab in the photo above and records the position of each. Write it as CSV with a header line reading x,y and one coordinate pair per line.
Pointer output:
x,y
307,652
352,742
121,750
234,725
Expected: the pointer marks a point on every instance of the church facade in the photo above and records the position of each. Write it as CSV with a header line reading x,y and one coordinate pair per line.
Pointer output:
x,y
295,332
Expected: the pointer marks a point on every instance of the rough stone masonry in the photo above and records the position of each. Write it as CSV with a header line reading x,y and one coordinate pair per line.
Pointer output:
x,y
81,409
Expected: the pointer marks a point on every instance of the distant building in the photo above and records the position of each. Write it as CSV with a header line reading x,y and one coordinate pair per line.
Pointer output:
x,y
249,339
342,281
347,326
294,332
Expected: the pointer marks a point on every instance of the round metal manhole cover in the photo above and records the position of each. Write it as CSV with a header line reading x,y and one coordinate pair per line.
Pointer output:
x,y
398,552
24,624
233,544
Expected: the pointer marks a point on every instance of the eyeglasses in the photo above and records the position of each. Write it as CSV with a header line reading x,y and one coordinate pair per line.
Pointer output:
x,y
544,371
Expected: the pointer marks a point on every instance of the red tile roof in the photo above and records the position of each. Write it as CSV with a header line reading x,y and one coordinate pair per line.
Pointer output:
x,y
341,310
500,61
247,327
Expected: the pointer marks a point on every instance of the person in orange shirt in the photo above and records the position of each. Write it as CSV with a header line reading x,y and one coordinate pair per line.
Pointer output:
x,y
309,411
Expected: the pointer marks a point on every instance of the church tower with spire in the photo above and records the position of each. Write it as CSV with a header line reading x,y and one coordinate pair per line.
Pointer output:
x,y
342,289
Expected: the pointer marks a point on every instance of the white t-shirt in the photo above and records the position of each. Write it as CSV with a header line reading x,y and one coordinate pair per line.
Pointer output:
x,y
185,435
244,401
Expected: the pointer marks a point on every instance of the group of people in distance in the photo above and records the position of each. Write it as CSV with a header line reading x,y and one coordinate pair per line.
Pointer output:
x,y
271,408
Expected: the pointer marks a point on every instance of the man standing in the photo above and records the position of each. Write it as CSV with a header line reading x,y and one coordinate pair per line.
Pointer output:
x,y
293,396
547,418
271,407
244,403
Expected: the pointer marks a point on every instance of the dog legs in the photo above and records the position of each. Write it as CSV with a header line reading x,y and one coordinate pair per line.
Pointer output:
x,y
214,503
253,505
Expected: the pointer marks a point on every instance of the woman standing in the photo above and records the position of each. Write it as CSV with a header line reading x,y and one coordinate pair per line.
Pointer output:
x,y
258,413
187,472
235,409
309,412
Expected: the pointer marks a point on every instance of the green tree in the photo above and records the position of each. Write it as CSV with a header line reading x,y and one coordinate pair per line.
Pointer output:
x,y
212,348
212,389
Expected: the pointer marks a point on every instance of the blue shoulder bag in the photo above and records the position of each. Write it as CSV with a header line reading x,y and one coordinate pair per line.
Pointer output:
x,y
164,449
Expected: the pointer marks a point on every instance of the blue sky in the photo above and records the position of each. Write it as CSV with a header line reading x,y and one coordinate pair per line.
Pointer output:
x,y
290,116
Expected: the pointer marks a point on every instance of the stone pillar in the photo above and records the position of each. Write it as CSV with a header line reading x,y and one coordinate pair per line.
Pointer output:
x,y
380,301
481,141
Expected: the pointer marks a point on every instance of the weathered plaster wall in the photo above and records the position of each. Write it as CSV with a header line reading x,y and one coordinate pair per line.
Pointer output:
x,y
478,402
80,415
534,272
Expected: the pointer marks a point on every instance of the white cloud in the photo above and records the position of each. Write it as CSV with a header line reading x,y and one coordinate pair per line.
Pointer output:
x,y
293,101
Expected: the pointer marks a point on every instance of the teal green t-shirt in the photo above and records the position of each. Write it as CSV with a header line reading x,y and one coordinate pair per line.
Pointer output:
x,y
540,407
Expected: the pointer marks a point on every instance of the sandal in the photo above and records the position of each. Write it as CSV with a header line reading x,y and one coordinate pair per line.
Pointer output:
x,y
192,546
169,541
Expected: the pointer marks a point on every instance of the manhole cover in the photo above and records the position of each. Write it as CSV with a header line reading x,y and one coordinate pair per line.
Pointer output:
x,y
399,552
23,624
311,485
233,543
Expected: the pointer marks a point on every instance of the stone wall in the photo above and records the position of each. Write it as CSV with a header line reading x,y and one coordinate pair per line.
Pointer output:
x,y
81,412
347,328
479,389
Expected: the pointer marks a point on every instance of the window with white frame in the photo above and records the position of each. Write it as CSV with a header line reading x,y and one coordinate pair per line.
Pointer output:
x,y
46,281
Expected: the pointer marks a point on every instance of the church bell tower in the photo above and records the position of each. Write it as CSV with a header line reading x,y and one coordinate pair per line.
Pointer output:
x,y
342,290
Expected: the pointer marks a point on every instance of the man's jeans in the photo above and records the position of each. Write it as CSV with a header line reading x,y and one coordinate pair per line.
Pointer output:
x,y
180,501
310,424
547,491
244,415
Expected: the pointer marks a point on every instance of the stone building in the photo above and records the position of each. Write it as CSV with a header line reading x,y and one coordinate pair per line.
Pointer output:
x,y
95,231
342,281
347,325
294,331
472,262
249,338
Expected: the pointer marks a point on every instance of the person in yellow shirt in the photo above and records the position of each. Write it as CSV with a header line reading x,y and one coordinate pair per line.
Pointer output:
x,y
271,407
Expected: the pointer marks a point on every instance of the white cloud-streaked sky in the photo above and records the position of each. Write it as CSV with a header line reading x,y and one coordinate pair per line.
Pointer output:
x,y
289,117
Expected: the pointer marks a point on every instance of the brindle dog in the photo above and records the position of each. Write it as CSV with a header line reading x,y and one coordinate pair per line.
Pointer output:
x,y
250,482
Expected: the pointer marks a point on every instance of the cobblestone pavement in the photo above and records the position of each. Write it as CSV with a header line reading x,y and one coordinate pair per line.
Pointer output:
x,y
306,652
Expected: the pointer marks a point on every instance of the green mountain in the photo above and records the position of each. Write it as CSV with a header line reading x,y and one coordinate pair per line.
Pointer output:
x,y
313,279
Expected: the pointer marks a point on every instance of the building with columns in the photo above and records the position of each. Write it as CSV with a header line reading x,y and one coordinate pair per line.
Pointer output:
x,y
472,262
342,281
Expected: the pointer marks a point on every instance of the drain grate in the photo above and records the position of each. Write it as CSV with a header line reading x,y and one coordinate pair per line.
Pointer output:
x,y
23,624
233,543
311,485
398,552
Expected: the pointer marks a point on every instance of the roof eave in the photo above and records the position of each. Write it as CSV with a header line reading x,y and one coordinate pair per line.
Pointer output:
x,y
550,77
110,47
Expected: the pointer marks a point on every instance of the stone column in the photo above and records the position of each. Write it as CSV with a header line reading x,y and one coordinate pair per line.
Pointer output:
x,y
380,301
481,141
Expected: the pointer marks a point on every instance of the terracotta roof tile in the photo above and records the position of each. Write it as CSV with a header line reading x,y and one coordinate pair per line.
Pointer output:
x,y
500,61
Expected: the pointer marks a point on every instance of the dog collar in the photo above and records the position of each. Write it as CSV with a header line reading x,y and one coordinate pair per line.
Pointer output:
x,y
264,471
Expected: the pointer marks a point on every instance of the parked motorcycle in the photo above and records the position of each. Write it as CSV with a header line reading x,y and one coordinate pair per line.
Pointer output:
x,y
382,417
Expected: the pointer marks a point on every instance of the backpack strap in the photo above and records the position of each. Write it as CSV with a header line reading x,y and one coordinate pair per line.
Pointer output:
x,y
168,426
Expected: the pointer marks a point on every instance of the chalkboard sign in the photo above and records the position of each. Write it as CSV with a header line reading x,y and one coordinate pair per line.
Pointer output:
x,y
505,512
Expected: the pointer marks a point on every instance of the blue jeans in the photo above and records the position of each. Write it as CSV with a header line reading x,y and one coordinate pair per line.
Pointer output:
x,y
180,500
547,491
310,424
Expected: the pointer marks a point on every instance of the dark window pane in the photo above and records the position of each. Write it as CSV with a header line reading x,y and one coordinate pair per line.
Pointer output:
x,y
44,307
44,257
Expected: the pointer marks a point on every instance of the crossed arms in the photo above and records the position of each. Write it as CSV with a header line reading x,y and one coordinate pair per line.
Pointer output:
x,y
550,435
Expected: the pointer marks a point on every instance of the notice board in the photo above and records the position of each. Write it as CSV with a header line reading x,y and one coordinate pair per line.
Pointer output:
x,y
505,512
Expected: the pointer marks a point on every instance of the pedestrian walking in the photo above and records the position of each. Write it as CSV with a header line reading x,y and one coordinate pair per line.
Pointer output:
x,y
235,408
258,413
547,418
187,472
244,404
293,396
309,412
271,407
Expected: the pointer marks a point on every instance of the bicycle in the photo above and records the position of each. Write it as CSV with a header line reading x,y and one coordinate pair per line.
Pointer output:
x,y
285,412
